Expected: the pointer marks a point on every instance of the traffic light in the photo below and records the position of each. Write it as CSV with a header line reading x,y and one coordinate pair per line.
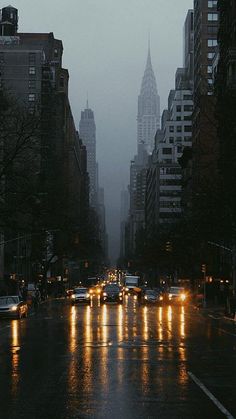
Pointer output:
x,y
169,247
203,268
86,264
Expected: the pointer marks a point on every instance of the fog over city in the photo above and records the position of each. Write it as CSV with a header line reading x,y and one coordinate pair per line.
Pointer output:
x,y
105,50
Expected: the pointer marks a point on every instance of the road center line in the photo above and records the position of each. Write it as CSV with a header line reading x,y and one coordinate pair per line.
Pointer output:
x,y
210,395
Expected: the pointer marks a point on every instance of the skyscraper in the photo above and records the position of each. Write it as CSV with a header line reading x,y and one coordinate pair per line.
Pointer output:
x,y
148,109
87,130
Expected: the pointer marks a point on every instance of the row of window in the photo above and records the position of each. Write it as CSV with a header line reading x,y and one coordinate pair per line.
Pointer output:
x,y
179,139
169,150
185,118
187,128
170,182
186,108
170,193
170,171
169,204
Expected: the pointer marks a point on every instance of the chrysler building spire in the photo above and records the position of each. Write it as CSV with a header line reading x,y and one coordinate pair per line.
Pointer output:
x,y
148,107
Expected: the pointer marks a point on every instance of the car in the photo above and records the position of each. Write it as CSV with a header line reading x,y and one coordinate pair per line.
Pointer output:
x,y
111,293
151,297
95,290
177,295
80,295
12,306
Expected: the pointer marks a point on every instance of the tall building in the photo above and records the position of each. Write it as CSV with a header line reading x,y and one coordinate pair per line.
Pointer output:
x,y
226,105
205,144
148,118
87,130
164,175
31,75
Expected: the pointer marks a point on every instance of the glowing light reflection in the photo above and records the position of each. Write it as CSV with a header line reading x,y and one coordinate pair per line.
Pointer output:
x,y
15,356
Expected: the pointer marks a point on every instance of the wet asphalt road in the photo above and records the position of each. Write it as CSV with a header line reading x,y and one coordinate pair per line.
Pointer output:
x,y
116,361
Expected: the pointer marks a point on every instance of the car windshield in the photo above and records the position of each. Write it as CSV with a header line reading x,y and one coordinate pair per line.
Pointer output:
x,y
8,300
150,292
176,290
111,288
81,291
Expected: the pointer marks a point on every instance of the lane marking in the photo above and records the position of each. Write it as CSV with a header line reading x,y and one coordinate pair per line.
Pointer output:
x,y
210,395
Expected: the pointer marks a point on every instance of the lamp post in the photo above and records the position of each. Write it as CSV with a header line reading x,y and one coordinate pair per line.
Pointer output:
x,y
204,284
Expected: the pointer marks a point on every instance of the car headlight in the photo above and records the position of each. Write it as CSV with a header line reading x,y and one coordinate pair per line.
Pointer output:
x,y
126,289
104,294
87,295
145,297
170,296
14,308
183,297
73,296
120,294
160,298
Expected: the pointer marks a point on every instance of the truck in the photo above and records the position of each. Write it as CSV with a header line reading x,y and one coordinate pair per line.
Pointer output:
x,y
131,283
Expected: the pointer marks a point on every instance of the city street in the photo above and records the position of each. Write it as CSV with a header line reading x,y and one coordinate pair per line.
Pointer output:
x,y
117,361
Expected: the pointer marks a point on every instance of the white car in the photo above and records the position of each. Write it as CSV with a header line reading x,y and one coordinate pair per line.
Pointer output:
x,y
80,295
12,306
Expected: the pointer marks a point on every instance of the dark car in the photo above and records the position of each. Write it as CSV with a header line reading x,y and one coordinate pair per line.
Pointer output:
x,y
12,306
177,295
152,297
112,293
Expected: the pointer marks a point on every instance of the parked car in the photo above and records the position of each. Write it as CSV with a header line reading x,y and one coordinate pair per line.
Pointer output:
x,y
177,295
13,306
111,293
80,295
151,297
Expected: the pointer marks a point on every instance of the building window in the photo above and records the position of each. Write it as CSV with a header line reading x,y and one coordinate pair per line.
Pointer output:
x,y
212,29
171,128
188,97
32,84
212,17
178,118
178,139
32,70
209,69
187,139
179,149
212,3
179,128
210,82
210,55
56,53
167,151
212,42
61,81
188,128
188,108
32,97
32,58
171,140
178,108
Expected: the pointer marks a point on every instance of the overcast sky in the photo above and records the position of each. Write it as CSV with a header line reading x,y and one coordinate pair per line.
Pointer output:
x,y
105,49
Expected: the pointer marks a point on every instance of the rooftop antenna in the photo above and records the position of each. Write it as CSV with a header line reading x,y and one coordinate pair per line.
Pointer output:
x,y
87,101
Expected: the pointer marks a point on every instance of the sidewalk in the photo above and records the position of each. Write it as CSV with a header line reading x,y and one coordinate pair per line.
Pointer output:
x,y
216,312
